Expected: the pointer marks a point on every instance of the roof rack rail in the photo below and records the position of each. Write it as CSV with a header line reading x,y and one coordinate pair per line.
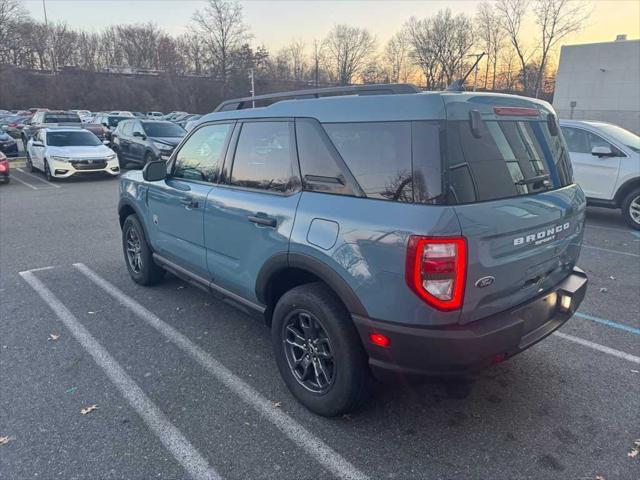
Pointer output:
x,y
377,89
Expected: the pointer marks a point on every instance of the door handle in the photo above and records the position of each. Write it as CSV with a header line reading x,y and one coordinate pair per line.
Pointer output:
x,y
189,203
262,219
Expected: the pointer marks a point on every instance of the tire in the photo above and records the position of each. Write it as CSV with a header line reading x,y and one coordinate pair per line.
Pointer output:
x,y
348,383
631,209
142,270
29,163
47,172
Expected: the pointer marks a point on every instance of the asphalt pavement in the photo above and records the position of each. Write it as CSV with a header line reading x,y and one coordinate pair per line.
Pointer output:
x,y
186,386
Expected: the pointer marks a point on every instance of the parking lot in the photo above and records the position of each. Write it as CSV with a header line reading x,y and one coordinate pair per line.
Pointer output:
x,y
186,386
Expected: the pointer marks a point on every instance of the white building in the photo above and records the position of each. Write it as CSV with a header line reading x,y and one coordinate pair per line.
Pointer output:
x,y
600,81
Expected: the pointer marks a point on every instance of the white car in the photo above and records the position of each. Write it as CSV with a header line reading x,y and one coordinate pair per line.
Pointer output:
x,y
64,152
85,115
606,164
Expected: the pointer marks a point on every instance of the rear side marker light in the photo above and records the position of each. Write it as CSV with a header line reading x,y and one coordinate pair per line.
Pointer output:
x,y
516,111
436,270
379,339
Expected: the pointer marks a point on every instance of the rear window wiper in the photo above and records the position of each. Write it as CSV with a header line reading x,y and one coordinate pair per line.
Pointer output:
x,y
540,178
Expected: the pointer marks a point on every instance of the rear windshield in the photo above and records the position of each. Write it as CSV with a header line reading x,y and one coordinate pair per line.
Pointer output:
x,y
158,129
61,118
72,139
505,159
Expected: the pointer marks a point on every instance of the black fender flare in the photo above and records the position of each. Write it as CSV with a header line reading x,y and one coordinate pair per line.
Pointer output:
x,y
125,202
328,275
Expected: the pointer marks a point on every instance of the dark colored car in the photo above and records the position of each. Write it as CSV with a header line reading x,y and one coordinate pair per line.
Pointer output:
x,y
44,119
8,145
4,168
143,141
14,124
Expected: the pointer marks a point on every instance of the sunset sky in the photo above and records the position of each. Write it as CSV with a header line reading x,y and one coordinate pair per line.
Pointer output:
x,y
275,23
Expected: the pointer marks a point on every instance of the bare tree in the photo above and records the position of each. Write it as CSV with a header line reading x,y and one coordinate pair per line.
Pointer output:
x,y
425,50
512,13
347,51
492,36
11,13
223,32
556,19
396,56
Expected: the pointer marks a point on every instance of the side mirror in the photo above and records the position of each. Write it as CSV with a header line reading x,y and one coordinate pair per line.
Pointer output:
x,y
37,144
602,151
140,135
155,171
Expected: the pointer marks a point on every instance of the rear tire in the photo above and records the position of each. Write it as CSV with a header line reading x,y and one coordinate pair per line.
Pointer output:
x,y
631,209
329,333
29,163
138,254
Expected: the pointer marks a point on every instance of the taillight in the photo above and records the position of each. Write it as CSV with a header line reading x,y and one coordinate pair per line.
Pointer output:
x,y
436,270
516,111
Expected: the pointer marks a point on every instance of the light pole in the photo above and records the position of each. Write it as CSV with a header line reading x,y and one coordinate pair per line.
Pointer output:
x,y
253,88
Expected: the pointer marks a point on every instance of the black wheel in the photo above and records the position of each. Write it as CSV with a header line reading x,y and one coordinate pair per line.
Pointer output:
x,y
318,351
29,164
47,172
631,209
138,255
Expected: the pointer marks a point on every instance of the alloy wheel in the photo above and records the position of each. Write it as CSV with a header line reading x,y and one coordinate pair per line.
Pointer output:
x,y
634,209
308,351
134,250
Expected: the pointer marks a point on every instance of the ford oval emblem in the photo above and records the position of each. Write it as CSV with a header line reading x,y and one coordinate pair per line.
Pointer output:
x,y
485,281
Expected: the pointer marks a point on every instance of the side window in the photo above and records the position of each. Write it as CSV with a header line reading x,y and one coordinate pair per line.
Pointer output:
x,y
136,127
577,140
263,157
378,155
597,141
320,172
201,155
427,161
126,128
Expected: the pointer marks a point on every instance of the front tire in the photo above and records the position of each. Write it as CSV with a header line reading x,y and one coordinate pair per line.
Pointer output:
x,y
47,172
138,254
631,209
29,163
318,351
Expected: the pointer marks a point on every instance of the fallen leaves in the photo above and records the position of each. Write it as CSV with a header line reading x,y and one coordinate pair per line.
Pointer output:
x,y
635,451
54,336
4,440
88,409
277,404
603,290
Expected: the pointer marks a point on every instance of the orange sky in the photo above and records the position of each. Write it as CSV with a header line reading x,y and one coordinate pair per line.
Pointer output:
x,y
275,23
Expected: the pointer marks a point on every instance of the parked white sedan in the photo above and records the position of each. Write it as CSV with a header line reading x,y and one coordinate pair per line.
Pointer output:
x,y
64,152
606,164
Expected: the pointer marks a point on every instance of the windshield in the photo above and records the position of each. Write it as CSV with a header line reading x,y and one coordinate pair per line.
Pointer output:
x,y
72,139
629,139
61,118
510,158
161,129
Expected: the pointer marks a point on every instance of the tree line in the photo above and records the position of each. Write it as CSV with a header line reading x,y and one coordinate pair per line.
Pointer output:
x,y
431,52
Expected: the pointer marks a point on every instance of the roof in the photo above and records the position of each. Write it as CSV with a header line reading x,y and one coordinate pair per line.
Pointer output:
x,y
377,108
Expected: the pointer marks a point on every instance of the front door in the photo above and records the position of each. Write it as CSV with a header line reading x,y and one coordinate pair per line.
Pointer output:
x,y
596,175
249,219
177,204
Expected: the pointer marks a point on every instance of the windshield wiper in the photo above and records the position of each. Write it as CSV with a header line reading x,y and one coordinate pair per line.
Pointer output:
x,y
540,178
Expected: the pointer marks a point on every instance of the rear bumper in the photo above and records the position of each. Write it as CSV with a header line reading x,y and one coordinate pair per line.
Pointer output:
x,y
462,349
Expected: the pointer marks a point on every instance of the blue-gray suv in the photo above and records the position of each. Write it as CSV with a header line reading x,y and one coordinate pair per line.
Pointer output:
x,y
377,229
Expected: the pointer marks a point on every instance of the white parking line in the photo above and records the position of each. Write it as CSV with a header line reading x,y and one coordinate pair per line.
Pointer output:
x,y
13,177
610,251
38,178
169,435
598,347
306,440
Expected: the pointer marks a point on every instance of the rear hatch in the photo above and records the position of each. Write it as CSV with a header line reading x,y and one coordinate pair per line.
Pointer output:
x,y
509,176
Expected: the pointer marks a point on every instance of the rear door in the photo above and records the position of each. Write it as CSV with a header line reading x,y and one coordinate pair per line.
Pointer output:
x,y
249,219
519,211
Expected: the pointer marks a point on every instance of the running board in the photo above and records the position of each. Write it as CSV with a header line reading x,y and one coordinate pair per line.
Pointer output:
x,y
206,285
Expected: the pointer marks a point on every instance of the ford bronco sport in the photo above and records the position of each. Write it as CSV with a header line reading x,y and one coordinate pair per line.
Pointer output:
x,y
378,229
